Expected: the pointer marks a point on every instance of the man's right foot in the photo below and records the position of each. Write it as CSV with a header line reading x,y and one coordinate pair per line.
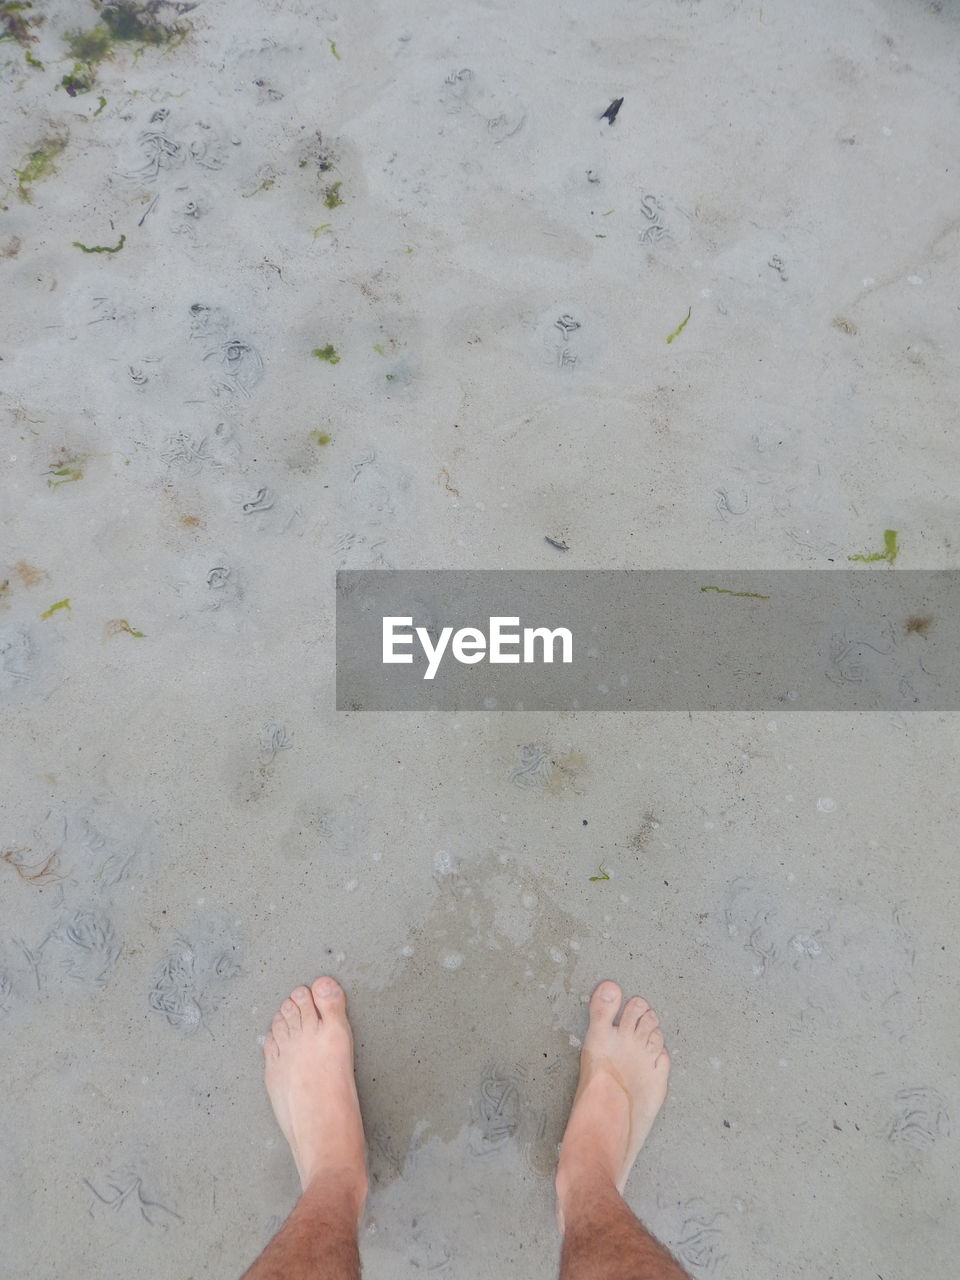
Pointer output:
x,y
623,1083
309,1077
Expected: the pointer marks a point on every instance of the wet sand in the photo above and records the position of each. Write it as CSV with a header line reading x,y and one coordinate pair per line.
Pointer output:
x,y
315,290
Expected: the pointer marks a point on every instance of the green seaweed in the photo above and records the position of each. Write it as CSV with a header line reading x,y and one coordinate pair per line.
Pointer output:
x,y
89,46
378,348
136,24
101,248
333,49
681,326
80,80
265,185
324,226
327,353
602,874
118,626
16,26
39,164
331,197
889,553
746,595
67,473
31,61
103,102
61,604
320,437
121,22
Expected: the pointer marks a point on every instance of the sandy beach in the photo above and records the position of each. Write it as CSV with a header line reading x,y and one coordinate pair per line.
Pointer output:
x,y
289,289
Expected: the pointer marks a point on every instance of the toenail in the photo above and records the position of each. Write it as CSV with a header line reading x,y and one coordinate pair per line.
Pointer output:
x,y
608,996
325,986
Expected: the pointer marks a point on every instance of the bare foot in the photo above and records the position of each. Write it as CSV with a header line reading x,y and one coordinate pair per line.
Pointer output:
x,y
309,1077
623,1084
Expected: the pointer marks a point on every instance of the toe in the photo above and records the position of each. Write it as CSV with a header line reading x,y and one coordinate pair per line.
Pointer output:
x,y
271,1049
649,1022
278,1029
302,998
655,1041
291,1015
633,1011
330,998
605,1002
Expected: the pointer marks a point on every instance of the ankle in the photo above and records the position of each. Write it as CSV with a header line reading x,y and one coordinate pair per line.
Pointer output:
x,y
580,1184
338,1192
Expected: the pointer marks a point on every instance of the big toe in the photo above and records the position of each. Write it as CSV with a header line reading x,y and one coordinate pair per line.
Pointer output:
x,y
330,998
605,1003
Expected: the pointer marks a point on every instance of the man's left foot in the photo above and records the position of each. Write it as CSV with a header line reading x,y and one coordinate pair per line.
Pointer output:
x,y
309,1077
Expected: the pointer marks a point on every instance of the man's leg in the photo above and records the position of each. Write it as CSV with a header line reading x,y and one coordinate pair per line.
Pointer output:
x,y
623,1083
309,1077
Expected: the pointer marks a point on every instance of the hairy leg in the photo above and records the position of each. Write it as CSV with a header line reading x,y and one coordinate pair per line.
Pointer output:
x,y
317,1242
309,1077
604,1240
624,1069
